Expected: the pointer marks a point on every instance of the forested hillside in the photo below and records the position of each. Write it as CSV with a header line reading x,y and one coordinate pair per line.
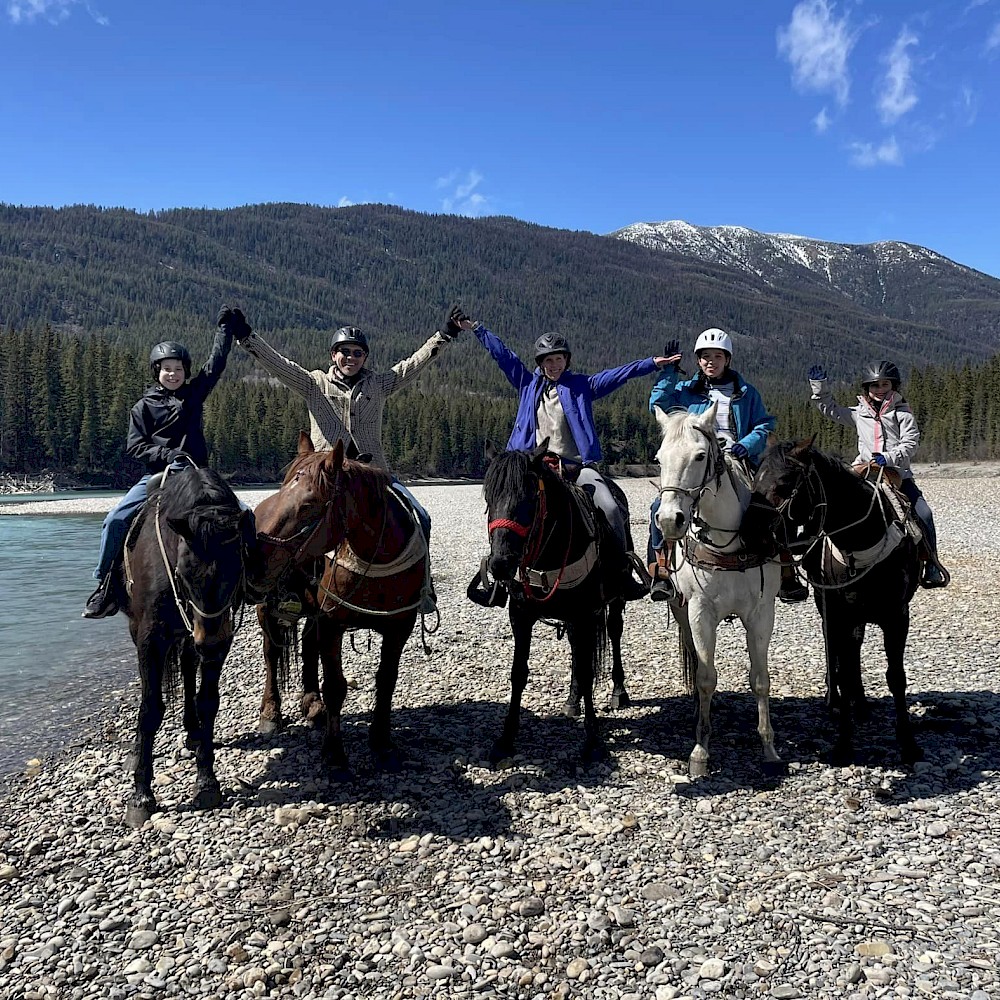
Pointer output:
x,y
84,292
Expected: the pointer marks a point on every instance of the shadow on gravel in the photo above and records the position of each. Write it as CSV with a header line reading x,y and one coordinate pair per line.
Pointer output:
x,y
441,744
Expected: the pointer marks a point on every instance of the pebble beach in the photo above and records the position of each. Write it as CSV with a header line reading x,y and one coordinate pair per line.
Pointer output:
x,y
541,878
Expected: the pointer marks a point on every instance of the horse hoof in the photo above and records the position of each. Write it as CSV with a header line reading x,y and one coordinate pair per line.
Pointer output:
x,y
619,700
135,815
341,774
911,754
191,743
595,754
268,727
500,752
775,769
572,709
841,756
208,798
698,767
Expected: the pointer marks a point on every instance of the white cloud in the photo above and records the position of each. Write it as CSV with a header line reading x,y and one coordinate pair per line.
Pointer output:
x,y
867,154
462,198
897,94
817,43
993,40
344,202
822,121
53,11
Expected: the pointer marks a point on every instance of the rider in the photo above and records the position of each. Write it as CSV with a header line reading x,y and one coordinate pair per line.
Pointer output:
x,y
741,421
555,403
888,436
346,401
164,425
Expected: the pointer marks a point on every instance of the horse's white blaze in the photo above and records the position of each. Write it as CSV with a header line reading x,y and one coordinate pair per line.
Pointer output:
x,y
689,459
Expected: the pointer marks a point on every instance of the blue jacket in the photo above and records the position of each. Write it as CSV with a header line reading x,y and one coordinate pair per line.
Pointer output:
x,y
576,394
752,421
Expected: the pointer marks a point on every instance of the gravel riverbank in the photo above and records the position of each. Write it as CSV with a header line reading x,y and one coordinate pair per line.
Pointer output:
x,y
542,879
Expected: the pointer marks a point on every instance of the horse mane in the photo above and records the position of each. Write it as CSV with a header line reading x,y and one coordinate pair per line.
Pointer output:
x,y
780,455
504,479
372,477
184,491
675,422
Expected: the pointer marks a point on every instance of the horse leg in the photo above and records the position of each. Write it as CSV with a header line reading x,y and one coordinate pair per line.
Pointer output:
x,y
208,794
311,703
583,640
521,624
572,707
384,752
703,628
759,631
270,704
894,633
141,803
616,626
329,646
845,672
192,724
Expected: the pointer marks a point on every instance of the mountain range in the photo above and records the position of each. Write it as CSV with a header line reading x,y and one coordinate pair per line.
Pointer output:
x,y
300,271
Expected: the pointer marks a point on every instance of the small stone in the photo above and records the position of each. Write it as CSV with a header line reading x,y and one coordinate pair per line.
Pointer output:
x,y
785,991
939,828
853,973
8,872
141,940
474,934
439,972
713,968
873,949
533,906
651,956
576,968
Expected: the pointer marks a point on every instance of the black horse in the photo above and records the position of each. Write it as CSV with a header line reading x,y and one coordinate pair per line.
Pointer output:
x,y
558,560
185,575
864,566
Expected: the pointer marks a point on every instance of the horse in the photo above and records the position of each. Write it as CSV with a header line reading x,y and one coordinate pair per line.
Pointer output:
x,y
184,564
558,560
863,562
703,504
345,544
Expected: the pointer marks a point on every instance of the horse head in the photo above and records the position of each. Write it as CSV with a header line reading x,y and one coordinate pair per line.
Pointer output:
x,y
514,488
692,466
297,525
208,566
787,478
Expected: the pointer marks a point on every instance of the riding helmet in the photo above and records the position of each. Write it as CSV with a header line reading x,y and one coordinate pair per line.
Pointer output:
x,y
714,338
551,343
349,335
169,350
876,370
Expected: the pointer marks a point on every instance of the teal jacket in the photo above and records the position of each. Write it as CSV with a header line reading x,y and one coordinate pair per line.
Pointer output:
x,y
752,422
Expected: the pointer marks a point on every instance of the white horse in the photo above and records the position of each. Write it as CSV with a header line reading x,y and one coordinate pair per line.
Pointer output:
x,y
703,497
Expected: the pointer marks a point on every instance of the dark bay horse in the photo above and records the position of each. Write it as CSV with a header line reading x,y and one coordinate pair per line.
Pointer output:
x,y
340,538
864,567
184,568
559,561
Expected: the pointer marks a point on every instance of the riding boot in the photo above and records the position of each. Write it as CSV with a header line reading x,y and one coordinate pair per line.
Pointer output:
x,y
792,590
934,574
103,602
633,589
662,588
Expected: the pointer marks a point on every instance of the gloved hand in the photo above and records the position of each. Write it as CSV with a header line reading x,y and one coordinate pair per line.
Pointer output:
x,y
879,459
453,322
738,450
235,323
817,373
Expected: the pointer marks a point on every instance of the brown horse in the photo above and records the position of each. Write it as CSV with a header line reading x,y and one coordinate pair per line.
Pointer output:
x,y
341,540
185,575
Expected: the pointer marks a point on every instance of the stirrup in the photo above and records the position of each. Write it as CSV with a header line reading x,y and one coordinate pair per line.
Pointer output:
x,y
929,581
103,602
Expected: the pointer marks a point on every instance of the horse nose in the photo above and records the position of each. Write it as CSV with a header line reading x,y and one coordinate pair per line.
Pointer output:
x,y
209,633
501,567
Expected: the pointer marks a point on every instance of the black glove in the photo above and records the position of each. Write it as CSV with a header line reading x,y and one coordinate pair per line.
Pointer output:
x,y
671,348
452,323
235,323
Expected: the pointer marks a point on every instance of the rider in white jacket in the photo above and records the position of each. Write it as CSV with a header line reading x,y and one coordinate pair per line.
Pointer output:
x,y
887,435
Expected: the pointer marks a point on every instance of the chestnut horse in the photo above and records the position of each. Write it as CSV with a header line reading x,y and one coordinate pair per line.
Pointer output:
x,y
337,536
184,567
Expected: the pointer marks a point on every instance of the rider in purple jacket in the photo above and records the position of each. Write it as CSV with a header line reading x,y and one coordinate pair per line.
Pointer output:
x,y
556,403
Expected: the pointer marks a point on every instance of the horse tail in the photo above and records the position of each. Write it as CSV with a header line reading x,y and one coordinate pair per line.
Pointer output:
x,y
285,642
688,657
601,647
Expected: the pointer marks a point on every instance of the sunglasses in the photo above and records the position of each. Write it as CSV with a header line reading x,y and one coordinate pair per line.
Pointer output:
x,y
348,353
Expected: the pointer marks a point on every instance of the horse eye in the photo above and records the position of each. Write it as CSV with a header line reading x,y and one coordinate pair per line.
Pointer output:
x,y
701,456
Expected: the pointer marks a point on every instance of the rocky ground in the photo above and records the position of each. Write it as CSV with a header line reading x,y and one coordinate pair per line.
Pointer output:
x,y
542,878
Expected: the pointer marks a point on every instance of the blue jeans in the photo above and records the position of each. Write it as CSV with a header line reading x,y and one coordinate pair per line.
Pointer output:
x,y
655,535
116,526
922,509
422,515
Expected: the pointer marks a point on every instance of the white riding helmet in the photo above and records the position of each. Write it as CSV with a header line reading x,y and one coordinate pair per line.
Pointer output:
x,y
716,338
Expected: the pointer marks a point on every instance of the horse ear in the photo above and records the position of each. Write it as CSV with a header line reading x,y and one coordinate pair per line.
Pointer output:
x,y
491,450
180,526
801,447
305,443
335,461
540,449
706,419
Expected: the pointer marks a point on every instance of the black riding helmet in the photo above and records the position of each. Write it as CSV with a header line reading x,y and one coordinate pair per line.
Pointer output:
x,y
551,343
876,370
169,350
349,335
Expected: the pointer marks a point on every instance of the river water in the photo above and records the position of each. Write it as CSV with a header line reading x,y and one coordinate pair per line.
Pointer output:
x,y
57,670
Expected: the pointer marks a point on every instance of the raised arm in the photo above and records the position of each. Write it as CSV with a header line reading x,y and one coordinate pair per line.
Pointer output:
x,y
822,398
514,369
605,382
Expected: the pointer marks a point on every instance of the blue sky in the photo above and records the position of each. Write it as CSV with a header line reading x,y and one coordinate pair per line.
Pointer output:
x,y
848,121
